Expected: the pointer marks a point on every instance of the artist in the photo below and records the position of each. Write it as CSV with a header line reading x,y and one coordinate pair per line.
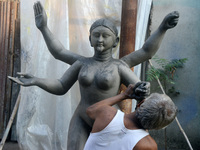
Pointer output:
x,y
114,130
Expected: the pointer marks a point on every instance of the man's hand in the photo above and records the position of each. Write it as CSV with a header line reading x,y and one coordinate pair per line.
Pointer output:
x,y
24,79
139,92
40,15
170,21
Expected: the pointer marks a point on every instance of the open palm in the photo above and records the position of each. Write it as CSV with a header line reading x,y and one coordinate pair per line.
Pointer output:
x,y
24,79
40,15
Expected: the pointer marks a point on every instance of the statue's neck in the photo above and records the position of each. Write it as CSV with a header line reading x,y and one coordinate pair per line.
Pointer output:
x,y
103,56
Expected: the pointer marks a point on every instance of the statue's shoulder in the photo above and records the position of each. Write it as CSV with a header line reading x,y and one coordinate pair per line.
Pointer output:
x,y
121,62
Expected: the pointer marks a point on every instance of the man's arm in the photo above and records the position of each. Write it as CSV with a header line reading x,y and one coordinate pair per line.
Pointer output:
x,y
94,109
153,42
131,92
54,46
146,143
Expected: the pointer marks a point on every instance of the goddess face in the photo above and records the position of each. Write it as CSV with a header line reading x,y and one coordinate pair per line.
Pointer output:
x,y
102,39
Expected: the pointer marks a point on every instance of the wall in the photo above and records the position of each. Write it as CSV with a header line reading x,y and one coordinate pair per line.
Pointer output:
x,y
9,61
182,42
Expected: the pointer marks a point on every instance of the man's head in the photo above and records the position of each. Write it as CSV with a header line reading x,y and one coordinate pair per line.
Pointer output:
x,y
157,111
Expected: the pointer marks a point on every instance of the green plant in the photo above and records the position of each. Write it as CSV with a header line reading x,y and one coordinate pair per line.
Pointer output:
x,y
166,72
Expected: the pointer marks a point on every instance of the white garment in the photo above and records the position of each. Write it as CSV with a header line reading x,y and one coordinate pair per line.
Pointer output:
x,y
115,136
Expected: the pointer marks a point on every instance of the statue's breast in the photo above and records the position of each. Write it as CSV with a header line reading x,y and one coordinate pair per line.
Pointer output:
x,y
106,77
86,76
101,76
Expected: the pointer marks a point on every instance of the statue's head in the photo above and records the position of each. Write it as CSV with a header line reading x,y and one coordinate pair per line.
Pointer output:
x,y
103,35
106,23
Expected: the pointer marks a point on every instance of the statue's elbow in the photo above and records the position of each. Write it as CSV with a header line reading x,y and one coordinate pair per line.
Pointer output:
x,y
56,56
60,93
149,54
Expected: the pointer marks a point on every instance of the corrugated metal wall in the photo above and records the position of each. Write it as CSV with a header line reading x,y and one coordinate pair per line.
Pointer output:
x,y
9,57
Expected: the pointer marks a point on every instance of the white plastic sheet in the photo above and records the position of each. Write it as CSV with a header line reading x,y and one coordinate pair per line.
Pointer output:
x,y
43,118
144,8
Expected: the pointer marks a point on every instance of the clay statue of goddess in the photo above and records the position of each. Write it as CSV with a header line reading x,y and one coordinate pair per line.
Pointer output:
x,y
99,76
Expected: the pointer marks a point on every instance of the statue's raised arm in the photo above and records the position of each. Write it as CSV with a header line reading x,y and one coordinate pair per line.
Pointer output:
x,y
54,46
153,42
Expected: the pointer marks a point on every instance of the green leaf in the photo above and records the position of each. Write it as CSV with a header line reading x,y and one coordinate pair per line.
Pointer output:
x,y
166,72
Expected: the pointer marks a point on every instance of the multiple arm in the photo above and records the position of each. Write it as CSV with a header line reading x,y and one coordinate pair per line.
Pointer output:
x,y
153,42
146,52
54,46
54,86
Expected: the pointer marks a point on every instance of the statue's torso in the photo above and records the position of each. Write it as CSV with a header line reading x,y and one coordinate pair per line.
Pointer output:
x,y
98,81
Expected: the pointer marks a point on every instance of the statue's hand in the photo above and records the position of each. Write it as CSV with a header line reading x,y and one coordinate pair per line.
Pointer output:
x,y
40,15
24,79
170,21
141,90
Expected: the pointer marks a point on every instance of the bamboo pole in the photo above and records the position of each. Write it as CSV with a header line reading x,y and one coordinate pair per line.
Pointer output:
x,y
10,121
179,125
127,40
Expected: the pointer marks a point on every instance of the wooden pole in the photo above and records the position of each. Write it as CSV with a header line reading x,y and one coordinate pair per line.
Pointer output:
x,y
127,40
10,122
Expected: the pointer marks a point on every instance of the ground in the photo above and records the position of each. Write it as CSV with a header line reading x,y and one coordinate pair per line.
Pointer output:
x,y
11,146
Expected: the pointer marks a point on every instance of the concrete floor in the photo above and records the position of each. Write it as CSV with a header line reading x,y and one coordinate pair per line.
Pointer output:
x,y
11,146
